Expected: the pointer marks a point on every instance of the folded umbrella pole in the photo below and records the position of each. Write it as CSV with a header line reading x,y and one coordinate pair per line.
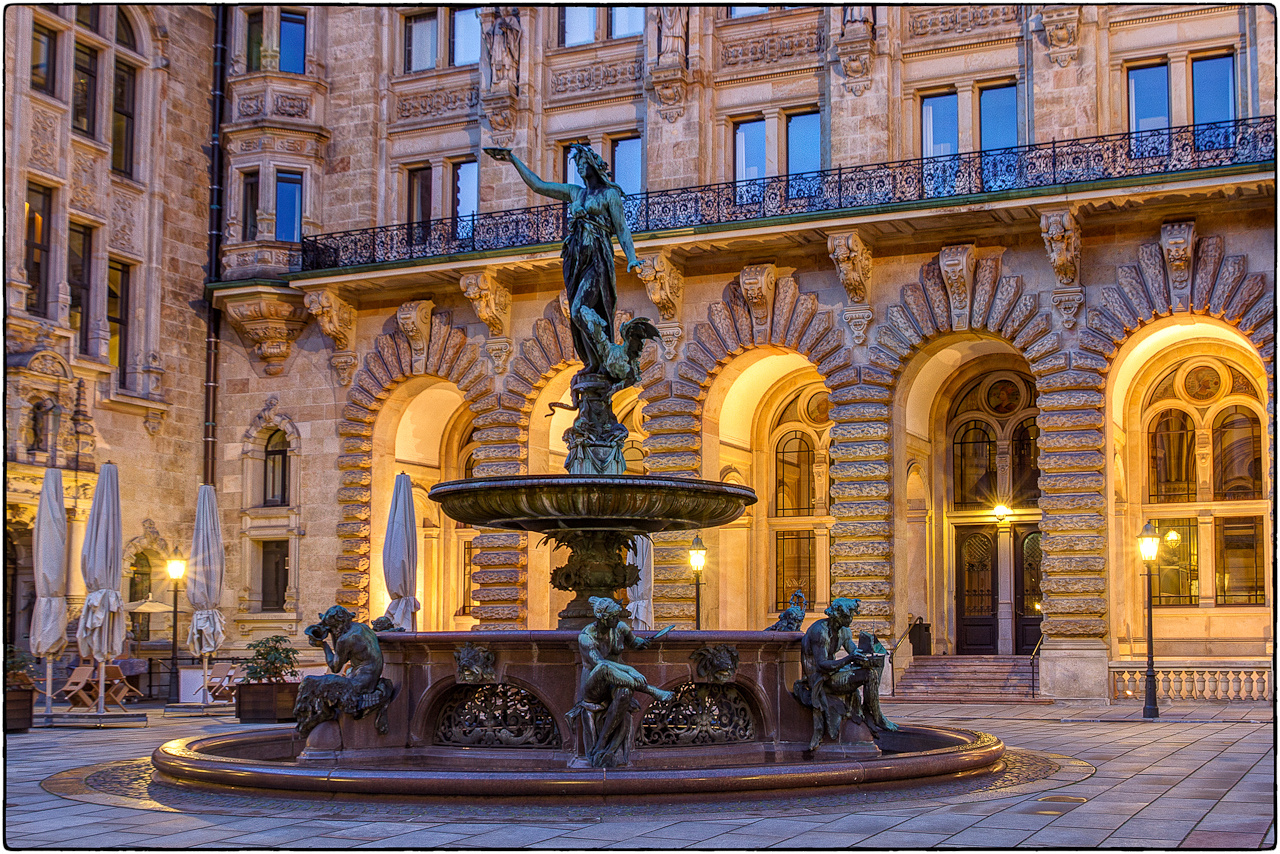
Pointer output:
x,y
49,554
101,631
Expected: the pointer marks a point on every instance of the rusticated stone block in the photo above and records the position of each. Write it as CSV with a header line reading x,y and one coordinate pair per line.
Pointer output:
x,y
671,572
504,540
672,424
1072,380
859,431
357,445
670,406
726,330
498,576
354,495
662,462
870,607
1073,564
498,594
1085,361
866,590
1085,419
355,512
866,470
881,629
356,477
1033,331
844,451
784,301
1051,462
862,510
861,412
489,403
1079,482
1065,543
1061,627
467,361
354,412
1073,522
354,580
881,530
677,590
351,598
826,346
836,362
705,335
479,389
904,325
515,402
496,558
818,327
519,386
1075,440
355,461
500,418
841,380
353,529
860,489
1079,501
500,469
672,611
487,614
692,373
672,556
861,548
355,545
500,435
668,442
355,428
1050,364
1057,606
1068,584
1045,346
862,569
352,566
488,453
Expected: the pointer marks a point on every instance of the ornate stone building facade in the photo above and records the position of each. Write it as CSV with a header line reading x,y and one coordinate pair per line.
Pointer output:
x,y
909,265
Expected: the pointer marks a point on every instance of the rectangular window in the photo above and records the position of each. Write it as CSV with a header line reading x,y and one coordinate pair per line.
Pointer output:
x,y
289,206
577,25
464,37
744,12
1239,570
419,194
84,91
794,567
39,204
44,52
1149,111
748,150
626,21
275,574
253,41
466,196
122,97
939,127
1176,579
419,43
467,552
628,164
87,16
998,132
118,319
249,208
1213,99
293,42
79,250
804,143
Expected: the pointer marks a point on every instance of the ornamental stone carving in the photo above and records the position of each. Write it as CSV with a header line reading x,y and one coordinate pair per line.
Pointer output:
x,y
122,222
673,28
956,264
431,104
1062,242
251,106
272,318
414,320
491,301
670,87
671,334
85,195
664,283
805,44
1178,242
856,48
502,45
859,318
344,364
45,141
594,77
758,282
293,106
939,20
853,263
336,316
1061,32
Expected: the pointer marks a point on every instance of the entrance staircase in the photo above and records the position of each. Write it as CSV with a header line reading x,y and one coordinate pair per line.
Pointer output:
x,y
968,679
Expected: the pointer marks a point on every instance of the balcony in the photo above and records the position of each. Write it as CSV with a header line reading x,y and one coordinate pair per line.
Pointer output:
x,y
932,181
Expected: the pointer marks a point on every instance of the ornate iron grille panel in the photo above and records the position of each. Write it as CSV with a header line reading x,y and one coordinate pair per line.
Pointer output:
x,y
495,716
959,176
698,714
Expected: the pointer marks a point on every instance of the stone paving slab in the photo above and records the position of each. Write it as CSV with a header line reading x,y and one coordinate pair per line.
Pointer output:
x,y
1203,775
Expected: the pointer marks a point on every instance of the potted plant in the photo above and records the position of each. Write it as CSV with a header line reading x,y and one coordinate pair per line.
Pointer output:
x,y
265,696
19,689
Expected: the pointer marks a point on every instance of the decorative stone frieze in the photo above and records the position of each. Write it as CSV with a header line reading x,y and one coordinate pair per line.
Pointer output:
x,y
1178,242
86,189
771,48
664,283
941,20
595,77
1061,29
46,141
429,105
272,317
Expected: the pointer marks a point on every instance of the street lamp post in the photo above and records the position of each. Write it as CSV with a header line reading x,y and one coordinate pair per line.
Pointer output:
x,y
175,568
1148,544
697,560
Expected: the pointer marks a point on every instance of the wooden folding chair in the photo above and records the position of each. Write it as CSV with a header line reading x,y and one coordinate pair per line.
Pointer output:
x,y
80,688
222,682
118,687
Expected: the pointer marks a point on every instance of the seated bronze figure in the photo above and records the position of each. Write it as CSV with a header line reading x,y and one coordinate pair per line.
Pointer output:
x,y
361,691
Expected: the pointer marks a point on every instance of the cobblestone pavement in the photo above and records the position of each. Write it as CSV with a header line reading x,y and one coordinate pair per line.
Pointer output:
x,y
1077,776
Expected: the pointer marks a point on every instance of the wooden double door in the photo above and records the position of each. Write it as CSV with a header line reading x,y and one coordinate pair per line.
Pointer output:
x,y
982,571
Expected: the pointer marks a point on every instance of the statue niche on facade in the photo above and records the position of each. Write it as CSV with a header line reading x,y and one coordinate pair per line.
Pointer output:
x,y
831,685
607,687
361,691
596,439
502,40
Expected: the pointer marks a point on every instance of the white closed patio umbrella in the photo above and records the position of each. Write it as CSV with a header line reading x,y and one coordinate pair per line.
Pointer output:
x,y
640,595
49,547
400,556
101,631
204,586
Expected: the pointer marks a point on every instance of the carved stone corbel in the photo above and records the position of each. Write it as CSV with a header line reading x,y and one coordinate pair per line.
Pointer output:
x,y
344,364
664,283
1061,32
671,333
859,319
414,320
499,350
1062,242
271,317
853,263
856,48
956,264
336,316
1178,241
670,88
490,299
758,282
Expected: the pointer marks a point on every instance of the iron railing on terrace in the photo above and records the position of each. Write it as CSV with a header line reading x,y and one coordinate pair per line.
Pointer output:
x,y
848,188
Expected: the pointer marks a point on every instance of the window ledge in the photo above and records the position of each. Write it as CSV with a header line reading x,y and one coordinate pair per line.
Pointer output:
x,y
153,412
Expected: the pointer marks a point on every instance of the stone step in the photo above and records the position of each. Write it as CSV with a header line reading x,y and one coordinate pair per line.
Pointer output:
x,y
967,679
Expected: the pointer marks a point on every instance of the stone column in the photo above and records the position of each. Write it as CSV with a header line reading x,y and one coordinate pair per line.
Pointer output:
x,y
75,573
1004,573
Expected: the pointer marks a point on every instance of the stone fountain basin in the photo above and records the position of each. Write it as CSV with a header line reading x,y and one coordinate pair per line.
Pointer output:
x,y
630,503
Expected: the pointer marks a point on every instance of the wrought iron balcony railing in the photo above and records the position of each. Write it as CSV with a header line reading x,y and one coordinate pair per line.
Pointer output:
x,y
848,188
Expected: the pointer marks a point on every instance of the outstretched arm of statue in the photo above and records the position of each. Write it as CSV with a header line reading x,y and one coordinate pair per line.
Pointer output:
x,y
562,192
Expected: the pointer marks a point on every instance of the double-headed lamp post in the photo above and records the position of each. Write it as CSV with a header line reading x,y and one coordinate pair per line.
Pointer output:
x,y
1149,544
175,568
697,560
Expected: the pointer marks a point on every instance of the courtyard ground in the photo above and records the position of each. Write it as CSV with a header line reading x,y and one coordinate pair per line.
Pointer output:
x,y
1077,776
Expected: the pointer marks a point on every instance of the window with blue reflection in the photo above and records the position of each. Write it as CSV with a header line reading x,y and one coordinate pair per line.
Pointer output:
x,y
997,130
628,161
748,150
940,130
293,42
577,25
419,42
746,11
289,206
1213,99
464,45
466,195
626,21
804,143
1149,110
570,172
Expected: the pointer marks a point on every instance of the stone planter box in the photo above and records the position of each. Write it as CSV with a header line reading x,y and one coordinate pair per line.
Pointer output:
x,y
266,702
